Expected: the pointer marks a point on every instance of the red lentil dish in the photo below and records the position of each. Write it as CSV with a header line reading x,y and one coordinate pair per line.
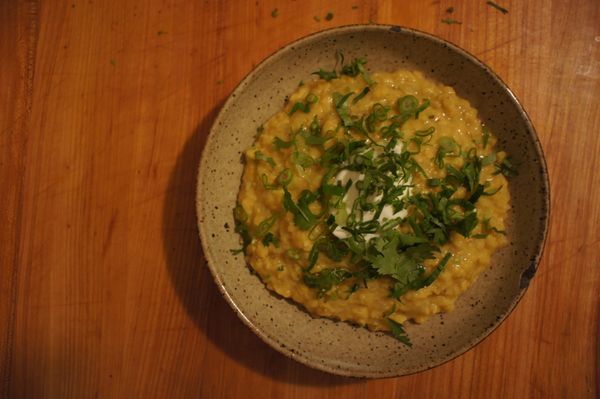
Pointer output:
x,y
373,198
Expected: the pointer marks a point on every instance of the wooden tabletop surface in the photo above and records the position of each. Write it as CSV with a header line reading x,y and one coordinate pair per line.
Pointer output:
x,y
104,110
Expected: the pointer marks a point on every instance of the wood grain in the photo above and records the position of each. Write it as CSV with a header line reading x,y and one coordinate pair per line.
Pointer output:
x,y
105,111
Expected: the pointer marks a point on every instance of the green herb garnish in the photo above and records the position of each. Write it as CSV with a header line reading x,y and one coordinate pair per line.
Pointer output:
x,y
241,226
355,68
329,16
326,75
302,159
497,7
487,229
303,217
447,147
279,143
506,168
259,156
305,106
485,134
263,227
398,332
269,239
451,21
342,108
275,13
360,95
326,279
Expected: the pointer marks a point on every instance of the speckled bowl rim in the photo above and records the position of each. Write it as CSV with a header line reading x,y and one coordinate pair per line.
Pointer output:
x,y
526,276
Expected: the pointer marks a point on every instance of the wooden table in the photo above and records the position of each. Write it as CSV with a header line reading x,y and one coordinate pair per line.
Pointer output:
x,y
105,108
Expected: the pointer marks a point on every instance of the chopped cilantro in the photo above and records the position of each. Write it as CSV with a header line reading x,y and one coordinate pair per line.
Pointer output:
x,y
360,95
451,21
485,134
259,156
326,279
305,106
497,7
447,147
506,168
263,227
279,143
269,238
398,332
342,108
326,75
303,217
241,227
356,67
403,265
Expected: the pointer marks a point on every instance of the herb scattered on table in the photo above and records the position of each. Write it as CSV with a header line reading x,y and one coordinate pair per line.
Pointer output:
x,y
451,21
275,13
329,16
497,7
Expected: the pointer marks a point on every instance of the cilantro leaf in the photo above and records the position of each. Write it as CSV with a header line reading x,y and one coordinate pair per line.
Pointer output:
x,y
269,238
241,225
259,156
447,147
355,68
326,279
421,282
326,75
405,265
398,332
279,143
341,107
303,217
506,168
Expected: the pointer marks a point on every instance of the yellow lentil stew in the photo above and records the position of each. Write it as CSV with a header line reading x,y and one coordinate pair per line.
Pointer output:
x,y
373,198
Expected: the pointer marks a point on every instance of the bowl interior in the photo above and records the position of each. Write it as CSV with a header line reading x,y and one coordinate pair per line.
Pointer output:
x,y
339,347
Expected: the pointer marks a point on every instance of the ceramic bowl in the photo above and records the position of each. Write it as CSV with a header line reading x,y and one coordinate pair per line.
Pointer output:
x,y
339,347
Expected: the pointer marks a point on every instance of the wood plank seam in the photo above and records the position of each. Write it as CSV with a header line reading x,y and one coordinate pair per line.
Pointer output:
x,y
24,99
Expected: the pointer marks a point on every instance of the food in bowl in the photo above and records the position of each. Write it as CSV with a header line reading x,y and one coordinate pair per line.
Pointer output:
x,y
373,198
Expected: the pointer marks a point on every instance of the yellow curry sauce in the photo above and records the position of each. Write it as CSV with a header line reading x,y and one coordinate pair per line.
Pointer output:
x,y
281,263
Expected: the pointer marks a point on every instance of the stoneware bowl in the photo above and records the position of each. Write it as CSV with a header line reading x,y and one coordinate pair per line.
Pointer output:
x,y
339,347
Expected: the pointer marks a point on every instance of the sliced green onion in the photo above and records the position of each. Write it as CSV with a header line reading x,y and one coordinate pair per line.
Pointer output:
x,y
311,98
284,178
264,226
407,104
361,95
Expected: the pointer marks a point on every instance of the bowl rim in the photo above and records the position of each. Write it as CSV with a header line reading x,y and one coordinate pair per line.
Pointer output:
x,y
526,276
